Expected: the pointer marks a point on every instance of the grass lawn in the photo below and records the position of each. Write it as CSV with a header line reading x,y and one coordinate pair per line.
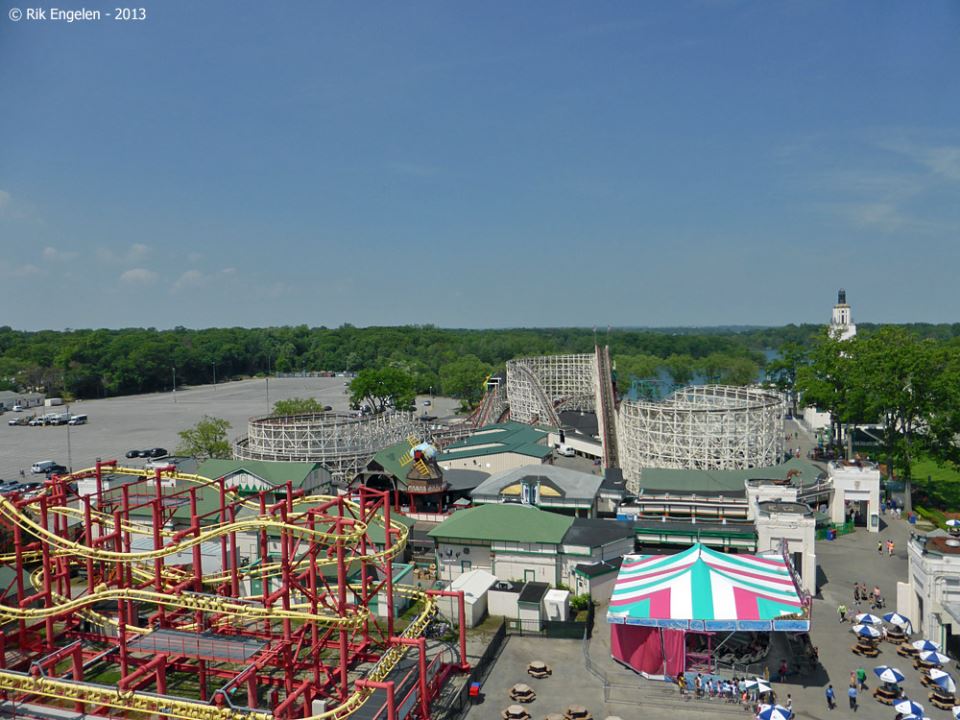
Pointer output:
x,y
942,491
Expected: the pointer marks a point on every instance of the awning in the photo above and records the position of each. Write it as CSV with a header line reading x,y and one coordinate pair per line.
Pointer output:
x,y
702,589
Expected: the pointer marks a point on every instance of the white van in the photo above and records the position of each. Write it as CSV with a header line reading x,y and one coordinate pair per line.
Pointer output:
x,y
566,451
38,468
77,420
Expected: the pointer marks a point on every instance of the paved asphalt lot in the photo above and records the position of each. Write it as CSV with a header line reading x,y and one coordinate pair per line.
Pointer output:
x,y
116,425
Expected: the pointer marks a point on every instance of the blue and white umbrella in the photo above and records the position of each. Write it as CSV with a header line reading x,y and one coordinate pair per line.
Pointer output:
x,y
952,523
867,631
868,619
897,619
932,656
956,711
761,685
914,717
774,712
924,645
943,680
908,707
888,674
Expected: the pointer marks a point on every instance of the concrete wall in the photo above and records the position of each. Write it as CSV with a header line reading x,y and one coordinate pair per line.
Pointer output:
x,y
526,567
815,419
451,559
800,533
934,580
852,484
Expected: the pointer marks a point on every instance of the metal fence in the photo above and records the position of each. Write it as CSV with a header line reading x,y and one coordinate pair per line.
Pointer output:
x,y
456,706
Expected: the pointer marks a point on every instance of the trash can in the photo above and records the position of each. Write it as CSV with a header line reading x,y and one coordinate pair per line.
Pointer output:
x,y
832,534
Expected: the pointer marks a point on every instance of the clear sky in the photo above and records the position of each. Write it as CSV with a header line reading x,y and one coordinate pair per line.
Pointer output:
x,y
480,164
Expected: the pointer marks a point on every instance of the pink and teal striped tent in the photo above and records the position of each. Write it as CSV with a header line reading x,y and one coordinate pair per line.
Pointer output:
x,y
702,589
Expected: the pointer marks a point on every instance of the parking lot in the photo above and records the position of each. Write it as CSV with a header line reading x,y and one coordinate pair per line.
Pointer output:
x,y
116,425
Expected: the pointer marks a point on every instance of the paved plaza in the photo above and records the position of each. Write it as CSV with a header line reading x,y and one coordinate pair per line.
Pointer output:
x,y
119,424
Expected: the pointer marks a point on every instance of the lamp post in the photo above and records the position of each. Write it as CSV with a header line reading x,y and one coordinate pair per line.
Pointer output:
x,y
174,368
69,449
214,376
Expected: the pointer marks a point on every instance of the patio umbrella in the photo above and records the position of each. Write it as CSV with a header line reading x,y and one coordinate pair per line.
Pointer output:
x,y
952,523
888,674
956,711
923,645
868,619
760,684
914,717
868,631
908,707
774,712
932,656
943,680
897,619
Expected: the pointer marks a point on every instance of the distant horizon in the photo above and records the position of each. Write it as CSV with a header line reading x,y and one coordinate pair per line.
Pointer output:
x,y
599,330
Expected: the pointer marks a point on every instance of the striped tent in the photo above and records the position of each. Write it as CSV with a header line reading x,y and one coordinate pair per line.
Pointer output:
x,y
702,589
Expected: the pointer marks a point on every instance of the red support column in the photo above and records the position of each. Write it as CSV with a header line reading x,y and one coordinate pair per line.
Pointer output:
x,y
461,608
421,645
342,603
388,686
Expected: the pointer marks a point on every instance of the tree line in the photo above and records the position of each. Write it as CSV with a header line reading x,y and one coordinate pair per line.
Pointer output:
x,y
109,362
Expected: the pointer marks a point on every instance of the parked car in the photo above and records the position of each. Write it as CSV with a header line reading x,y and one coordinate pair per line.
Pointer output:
x,y
56,470
36,422
18,408
41,466
132,454
427,403
22,420
155,453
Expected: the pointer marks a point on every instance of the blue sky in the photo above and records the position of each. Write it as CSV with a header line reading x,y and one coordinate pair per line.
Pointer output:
x,y
481,164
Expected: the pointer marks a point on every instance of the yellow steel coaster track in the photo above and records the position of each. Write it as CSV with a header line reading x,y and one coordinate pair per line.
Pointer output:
x,y
145,702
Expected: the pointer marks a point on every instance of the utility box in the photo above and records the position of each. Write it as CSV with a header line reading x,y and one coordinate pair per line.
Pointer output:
x,y
556,605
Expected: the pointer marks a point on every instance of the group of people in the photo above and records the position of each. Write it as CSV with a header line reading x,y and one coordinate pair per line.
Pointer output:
x,y
888,544
734,690
861,594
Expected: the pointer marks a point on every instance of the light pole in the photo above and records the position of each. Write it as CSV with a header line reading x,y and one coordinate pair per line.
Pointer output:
x,y
269,359
174,368
69,449
214,376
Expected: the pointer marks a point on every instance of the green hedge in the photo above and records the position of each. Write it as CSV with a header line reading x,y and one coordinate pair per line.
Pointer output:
x,y
934,516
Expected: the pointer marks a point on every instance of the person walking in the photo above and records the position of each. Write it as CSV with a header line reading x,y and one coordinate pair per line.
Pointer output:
x,y
876,596
861,679
890,546
852,695
879,547
856,594
789,704
831,698
842,612
782,672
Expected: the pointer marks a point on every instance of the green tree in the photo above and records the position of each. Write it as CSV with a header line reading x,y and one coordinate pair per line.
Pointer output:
x,y
463,378
830,381
207,439
297,406
380,388
782,371
901,379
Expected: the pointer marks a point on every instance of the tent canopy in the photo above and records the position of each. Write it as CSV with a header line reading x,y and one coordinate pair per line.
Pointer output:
x,y
702,589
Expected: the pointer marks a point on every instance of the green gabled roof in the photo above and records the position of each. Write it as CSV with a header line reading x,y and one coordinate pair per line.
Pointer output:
x,y
275,473
499,438
504,523
389,459
723,481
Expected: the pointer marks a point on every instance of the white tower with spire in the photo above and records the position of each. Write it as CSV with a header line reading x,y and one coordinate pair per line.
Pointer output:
x,y
841,322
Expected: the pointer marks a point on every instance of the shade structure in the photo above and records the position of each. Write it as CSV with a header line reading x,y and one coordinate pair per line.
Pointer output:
x,y
924,645
761,685
774,712
897,619
888,674
867,631
932,656
943,680
908,707
702,589
868,619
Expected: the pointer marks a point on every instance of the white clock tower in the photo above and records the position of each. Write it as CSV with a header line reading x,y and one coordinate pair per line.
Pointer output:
x,y
841,322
